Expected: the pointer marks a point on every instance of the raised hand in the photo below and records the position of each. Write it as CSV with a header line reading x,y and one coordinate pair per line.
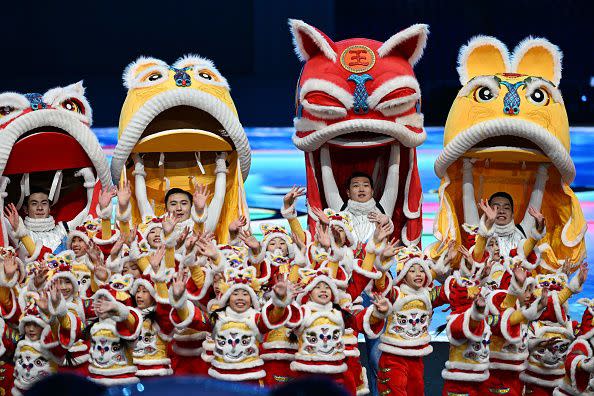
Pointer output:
x,y
542,302
40,276
42,302
538,218
190,243
280,287
156,258
490,213
236,224
132,235
102,307
100,271
322,218
206,248
124,194
201,195
465,253
117,247
105,197
322,236
480,303
452,251
169,223
178,287
299,243
390,250
94,253
249,239
55,295
378,218
382,232
182,237
290,197
12,215
10,266
381,303
583,274
519,273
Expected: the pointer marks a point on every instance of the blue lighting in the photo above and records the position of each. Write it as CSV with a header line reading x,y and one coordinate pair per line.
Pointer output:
x,y
140,387
584,98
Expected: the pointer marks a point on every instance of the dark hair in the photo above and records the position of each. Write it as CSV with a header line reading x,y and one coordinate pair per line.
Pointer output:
x,y
502,194
36,190
177,191
358,174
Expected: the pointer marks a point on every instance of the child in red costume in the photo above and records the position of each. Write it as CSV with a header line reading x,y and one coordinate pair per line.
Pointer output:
x,y
579,363
321,330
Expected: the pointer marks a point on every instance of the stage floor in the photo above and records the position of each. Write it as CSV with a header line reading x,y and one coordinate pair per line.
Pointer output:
x,y
277,165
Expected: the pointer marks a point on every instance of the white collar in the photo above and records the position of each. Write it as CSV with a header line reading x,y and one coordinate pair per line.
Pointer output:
x,y
314,306
40,225
504,230
361,208
236,315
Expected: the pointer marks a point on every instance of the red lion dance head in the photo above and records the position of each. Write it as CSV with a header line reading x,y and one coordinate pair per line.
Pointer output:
x,y
358,110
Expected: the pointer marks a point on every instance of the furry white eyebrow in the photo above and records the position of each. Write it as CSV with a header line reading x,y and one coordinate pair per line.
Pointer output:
x,y
534,83
339,93
480,81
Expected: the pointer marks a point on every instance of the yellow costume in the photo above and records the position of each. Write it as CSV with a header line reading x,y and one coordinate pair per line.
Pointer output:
x,y
180,119
508,128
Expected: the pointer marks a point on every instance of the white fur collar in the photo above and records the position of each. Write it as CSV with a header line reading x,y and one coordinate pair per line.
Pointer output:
x,y
231,314
319,307
40,225
361,208
406,289
504,230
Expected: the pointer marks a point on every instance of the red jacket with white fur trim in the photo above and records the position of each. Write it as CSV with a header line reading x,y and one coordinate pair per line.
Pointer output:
x,y
577,379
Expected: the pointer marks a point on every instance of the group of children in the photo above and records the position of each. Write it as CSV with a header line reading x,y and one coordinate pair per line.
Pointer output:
x,y
124,301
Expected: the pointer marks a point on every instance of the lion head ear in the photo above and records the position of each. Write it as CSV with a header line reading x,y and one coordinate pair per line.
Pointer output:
x,y
482,56
309,41
538,57
408,43
135,68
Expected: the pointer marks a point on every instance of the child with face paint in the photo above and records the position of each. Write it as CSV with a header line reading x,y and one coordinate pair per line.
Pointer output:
x,y
579,361
151,350
551,333
237,326
516,308
112,336
46,333
321,330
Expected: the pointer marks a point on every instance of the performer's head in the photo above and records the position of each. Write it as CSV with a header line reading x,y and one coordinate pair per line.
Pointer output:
x,y
33,331
131,267
503,203
143,297
493,249
78,246
359,187
154,237
178,202
321,293
240,300
415,277
37,204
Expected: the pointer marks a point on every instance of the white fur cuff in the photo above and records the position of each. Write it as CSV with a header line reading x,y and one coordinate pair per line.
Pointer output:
x,y
58,311
483,231
104,214
199,219
21,231
122,312
255,259
536,235
177,304
476,315
289,213
124,217
574,285
277,302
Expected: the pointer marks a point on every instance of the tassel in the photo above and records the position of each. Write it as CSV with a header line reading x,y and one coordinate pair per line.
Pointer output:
x,y
167,183
54,193
197,155
25,190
